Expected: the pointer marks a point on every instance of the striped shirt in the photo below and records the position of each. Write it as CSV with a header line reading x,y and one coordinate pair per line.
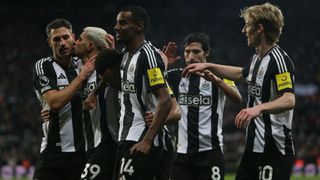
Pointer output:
x,y
202,106
141,73
99,124
63,133
268,78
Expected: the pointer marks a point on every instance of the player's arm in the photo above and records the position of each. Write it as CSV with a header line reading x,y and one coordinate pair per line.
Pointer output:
x,y
227,86
173,116
279,105
228,72
56,99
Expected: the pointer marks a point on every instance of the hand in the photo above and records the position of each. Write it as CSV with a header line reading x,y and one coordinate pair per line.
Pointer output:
x,y
170,51
209,76
90,102
110,42
149,117
45,114
193,68
88,68
244,117
143,147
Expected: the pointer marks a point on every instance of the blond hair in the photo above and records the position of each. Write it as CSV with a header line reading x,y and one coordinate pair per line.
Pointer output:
x,y
97,36
269,16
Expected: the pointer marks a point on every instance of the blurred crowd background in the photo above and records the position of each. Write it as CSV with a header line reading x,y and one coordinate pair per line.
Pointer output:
x,y
23,42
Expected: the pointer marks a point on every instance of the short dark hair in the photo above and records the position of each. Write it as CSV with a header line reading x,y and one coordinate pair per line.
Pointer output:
x,y
107,58
58,23
201,38
138,14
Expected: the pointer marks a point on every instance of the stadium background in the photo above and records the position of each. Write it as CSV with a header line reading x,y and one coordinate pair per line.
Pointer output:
x,y
23,41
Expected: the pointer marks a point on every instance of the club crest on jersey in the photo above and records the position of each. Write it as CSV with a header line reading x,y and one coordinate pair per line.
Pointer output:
x,y
88,88
131,68
205,86
260,73
283,81
43,80
155,76
194,100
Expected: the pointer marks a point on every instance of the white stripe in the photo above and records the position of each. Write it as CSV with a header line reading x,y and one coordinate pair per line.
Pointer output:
x,y
282,60
152,53
152,57
148,57
277,61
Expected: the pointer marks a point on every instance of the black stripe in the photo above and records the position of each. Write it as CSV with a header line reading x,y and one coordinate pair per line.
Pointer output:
x,y
193,116
288,141
88,129
214,117
129,115
252,125
76,110
105,134
53,133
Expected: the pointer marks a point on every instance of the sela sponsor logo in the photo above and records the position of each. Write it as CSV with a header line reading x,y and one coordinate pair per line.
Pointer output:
x,y
88,88
194,100
254,90
128,87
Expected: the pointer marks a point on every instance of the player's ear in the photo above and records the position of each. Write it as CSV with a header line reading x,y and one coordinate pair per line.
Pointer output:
x,y
49,42
260,28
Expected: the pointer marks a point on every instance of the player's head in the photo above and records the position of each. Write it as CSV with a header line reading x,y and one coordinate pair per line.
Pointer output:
x,y
92,39
132,21
60,37
107,66
196,48
265,20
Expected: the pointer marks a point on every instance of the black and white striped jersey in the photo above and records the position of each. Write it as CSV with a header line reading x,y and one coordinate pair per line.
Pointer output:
x,y
63,133
202,106
141,73
268,78
98,126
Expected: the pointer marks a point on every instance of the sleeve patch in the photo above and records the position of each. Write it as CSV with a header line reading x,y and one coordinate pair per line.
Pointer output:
x,y
283,81
229,82
155,76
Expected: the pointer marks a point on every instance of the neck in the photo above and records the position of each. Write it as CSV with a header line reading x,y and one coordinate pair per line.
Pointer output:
x,y
64,62
133,45
263,48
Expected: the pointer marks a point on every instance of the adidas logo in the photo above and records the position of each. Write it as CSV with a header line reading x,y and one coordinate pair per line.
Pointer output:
x,y
61,76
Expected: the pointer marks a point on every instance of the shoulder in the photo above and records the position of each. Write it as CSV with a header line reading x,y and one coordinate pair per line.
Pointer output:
x,y
42,64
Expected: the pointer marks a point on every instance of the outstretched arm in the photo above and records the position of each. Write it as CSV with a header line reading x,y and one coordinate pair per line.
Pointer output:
x,y
230,91
224,71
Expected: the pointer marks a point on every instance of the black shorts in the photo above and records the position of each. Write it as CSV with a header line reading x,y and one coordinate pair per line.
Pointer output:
x,y
138,165
67,167
256,166
100,162
201,166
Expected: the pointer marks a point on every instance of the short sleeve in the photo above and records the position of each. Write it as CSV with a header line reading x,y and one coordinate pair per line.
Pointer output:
x,y
154,69
282,73
44,78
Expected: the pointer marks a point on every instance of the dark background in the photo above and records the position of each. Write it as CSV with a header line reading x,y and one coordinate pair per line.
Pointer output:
x,y
23,42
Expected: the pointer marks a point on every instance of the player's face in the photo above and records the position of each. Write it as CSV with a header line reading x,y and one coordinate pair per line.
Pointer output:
x,y
193,53
82,45
125,28
251,32
61,41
